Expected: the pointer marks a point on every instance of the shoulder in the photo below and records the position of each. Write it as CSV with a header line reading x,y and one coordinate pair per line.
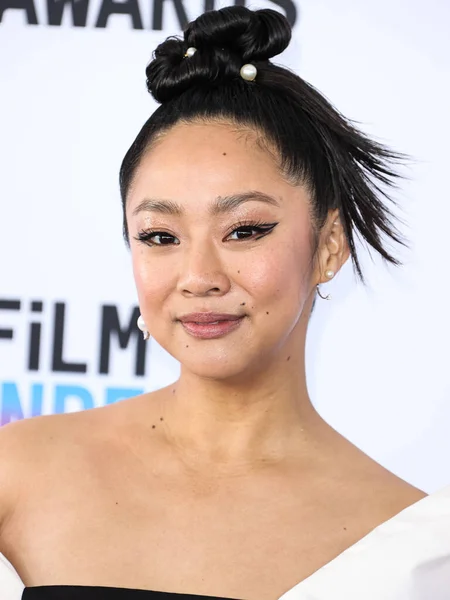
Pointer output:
x,y
32,447
392,495
371,492
393,491
24,442
381,495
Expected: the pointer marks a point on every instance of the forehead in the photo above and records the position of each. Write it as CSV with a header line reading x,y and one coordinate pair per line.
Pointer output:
x,y
199,161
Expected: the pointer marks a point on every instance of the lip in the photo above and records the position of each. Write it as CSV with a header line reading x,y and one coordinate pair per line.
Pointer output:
x,y
208,317
211,330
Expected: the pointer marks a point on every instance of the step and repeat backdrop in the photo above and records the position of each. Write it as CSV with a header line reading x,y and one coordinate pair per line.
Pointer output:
x,y
72,99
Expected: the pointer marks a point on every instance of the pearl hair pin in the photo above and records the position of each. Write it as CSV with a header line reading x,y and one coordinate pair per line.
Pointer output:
x,y
143,327
248,72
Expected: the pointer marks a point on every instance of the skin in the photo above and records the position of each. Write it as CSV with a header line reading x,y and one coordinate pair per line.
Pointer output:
x,y
248,388
227,482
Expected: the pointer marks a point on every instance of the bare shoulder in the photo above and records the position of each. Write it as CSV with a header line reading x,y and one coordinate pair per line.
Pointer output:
x,y
41,445
391,488
30,447
384,497
400,494
23,443
59,450
369,490
384,493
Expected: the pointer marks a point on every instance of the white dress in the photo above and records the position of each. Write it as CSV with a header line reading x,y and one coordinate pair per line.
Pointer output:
x,y
404,558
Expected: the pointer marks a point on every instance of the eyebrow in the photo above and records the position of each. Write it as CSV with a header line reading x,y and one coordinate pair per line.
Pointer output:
x,y
220,205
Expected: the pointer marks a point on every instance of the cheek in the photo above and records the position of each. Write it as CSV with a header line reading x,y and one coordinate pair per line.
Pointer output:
x,y
282,275
149,276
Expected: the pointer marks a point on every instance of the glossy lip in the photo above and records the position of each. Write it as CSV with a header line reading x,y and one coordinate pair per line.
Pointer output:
x,y
211,330
208,317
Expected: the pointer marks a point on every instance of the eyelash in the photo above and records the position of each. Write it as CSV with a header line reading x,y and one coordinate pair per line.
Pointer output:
x,y
261,227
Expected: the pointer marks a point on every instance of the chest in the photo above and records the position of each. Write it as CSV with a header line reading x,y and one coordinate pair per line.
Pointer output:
x,y
247,539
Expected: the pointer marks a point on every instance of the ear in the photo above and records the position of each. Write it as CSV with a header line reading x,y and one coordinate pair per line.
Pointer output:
x,y
333,250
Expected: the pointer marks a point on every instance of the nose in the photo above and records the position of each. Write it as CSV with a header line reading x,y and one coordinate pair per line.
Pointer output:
x,y
202,272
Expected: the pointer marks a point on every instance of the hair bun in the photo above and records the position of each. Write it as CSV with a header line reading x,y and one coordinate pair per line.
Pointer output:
x,y
225,39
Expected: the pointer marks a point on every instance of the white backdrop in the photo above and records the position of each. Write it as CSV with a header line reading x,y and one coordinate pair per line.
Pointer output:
x,y
71,101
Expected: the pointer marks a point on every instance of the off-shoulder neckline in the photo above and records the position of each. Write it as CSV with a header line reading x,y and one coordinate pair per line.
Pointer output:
x,y
409,510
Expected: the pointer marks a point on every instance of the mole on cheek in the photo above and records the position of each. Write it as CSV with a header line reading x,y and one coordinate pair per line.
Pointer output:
x,y
224,153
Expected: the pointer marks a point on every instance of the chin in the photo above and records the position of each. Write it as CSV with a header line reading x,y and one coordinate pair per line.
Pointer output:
x,y
214,365
210,369
235,360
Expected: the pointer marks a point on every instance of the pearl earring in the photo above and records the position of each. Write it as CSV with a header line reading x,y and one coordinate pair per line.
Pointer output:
x,y
329,273
143,327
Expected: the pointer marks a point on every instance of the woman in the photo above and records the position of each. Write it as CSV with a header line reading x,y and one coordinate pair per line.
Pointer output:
x,y
241,195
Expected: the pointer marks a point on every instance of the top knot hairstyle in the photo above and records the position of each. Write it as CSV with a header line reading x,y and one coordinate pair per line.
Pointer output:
x,y
318,147
225,40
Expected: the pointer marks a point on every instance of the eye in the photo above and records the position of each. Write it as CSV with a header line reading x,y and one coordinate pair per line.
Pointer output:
x,y
251,231
150,236
242,231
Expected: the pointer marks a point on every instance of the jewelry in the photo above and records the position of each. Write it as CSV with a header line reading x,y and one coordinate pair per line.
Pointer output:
x,y
143,327
327,297
329,273
248,72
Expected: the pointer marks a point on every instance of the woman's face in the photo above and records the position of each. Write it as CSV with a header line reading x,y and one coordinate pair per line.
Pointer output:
x,y
220,231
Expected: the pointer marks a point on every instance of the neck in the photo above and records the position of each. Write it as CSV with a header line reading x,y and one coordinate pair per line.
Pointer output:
x,y
262,417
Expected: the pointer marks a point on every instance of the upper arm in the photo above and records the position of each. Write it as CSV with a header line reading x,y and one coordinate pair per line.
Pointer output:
x,y
11,465
19,454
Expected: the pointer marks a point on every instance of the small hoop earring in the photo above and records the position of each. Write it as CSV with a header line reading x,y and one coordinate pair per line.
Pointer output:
x,y
327,297
143,327
330,274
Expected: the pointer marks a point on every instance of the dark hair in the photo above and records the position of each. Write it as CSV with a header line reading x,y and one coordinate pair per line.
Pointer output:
x,y
316,145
